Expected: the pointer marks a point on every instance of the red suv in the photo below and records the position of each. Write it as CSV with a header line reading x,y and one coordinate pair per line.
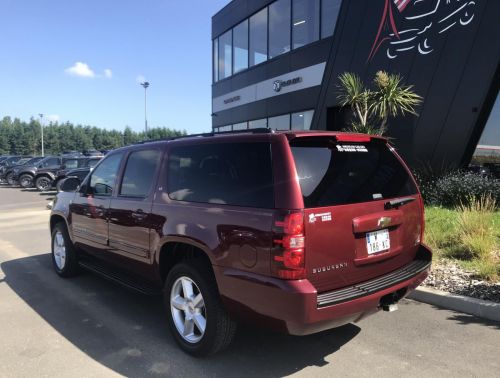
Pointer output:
x,y
296,231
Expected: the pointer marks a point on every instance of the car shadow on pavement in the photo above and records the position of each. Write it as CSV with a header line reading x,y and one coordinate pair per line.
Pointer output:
x,y
128,332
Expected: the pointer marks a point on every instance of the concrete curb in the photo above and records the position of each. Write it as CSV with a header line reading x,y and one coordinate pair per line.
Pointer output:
x,y
477,307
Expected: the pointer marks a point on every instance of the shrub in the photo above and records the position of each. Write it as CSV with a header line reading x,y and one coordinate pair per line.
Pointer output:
x,y
456,188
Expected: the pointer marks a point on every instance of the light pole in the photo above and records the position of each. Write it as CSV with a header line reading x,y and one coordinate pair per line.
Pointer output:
x,y
41,126
145,85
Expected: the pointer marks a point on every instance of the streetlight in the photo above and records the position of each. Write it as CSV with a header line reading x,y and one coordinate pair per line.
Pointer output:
x,y
145,85
41,125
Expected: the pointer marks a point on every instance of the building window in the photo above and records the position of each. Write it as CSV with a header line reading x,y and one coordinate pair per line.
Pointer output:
x,y
225,58
216,59
280,122
258,124
240,47
329,14
279,28
222,129
305,22
240,126
258,37
302,120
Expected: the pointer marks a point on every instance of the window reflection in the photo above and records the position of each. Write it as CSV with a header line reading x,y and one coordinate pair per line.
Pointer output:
x,y
279,28
305,22
225,56
240,47
258,37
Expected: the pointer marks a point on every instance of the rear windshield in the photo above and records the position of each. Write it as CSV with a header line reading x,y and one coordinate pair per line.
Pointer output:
x,y
225,173
332,173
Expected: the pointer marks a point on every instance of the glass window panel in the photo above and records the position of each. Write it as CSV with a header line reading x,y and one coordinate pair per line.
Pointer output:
x,y
224,128
240,126
258,37
258,124
225,55
240,47
103,178
305,22
280,122
224,173
279,28
330,12
216,60
302,120
139,173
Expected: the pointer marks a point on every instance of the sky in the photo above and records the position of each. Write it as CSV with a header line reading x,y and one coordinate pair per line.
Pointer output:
x,y
82,61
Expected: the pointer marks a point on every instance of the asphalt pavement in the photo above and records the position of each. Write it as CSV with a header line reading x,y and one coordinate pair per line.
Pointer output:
x,y
88,327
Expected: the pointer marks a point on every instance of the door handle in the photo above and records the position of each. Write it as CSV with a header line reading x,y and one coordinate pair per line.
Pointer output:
x,y
139,215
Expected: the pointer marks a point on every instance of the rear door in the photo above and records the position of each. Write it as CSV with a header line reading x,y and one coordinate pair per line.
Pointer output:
x,y
353,232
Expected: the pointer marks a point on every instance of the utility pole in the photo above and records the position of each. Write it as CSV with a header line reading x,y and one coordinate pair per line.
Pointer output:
x,y
145,85
41,125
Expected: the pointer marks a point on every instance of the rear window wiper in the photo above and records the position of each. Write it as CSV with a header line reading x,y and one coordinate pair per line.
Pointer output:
x,y
399,202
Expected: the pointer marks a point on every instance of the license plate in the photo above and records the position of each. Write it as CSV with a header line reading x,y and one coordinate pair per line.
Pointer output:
x,y
377,241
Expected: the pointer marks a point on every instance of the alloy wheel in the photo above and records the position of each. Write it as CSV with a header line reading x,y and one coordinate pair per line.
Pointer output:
x,y
59,248
188,310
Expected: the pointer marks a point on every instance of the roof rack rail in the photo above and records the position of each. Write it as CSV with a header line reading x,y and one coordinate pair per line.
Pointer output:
x,y
261,130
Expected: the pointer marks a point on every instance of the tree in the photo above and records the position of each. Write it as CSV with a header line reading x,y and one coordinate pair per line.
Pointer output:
x,y
372,108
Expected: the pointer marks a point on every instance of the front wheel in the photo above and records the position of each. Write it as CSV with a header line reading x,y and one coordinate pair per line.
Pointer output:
x,y
198,322
43,183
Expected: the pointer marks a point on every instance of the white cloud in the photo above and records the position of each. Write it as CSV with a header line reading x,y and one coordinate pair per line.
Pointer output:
x,y
53,118
108,74
80,69
140,79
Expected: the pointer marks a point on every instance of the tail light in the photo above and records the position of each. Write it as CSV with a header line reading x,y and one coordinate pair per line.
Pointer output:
x,y
288,257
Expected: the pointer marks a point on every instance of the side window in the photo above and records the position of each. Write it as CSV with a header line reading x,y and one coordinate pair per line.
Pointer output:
x,y
103,178
139,173
71,164
50,162
92,163
237,174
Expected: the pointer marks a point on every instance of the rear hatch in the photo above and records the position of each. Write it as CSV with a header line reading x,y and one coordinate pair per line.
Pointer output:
x,y
363,214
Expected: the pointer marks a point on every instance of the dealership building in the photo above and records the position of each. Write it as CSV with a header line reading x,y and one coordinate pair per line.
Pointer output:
x,y
276,64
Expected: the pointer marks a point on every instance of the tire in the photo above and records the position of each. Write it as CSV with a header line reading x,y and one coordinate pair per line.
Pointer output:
x,y
58,185
10,179
219,328
43,183
64,256
26,181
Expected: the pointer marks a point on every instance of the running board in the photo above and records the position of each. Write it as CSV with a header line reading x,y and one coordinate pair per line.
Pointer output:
x,y
119,278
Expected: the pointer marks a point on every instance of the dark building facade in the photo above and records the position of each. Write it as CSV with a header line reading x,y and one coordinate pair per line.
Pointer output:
x,y
277,63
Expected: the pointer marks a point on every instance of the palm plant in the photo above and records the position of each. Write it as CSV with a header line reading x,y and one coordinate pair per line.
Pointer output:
x,y
372,108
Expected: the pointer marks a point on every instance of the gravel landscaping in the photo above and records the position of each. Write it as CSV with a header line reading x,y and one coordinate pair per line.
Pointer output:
x,y
450,277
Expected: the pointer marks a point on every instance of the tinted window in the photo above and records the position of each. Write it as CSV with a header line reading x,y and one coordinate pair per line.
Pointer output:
x,y
240,126
258,37
305,22
49,162
280,122
139,173
231,173
103,178
302,120
71,164
92,163
279,28
329,13
332,173
225,56
258,123
240,47
216,60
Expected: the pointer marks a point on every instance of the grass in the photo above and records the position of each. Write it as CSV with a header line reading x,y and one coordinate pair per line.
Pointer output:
x,y
468,234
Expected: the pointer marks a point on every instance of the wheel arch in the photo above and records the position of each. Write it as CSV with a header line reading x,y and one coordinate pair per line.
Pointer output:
x,y
56,218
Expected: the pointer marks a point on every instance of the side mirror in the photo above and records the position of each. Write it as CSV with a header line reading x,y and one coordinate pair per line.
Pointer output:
x,y
70,184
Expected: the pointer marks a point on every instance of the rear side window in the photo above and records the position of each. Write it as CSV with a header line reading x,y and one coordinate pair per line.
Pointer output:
x,y
237,174
71,164
139,173
332,173
50,162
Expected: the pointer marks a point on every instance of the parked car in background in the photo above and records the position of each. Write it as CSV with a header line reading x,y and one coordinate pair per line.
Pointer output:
x,y
93,153
8,173
84,164
25,175
296,231
8,164
11,159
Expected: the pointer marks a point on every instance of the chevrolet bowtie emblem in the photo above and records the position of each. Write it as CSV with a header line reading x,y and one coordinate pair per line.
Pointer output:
x,y
384,221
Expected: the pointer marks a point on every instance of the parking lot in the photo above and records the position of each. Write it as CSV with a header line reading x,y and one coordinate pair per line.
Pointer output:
x,y
88,326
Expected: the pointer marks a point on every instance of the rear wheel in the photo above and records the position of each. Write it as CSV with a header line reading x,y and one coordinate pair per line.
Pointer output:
x,y
43,183
64,255
10,179
198,322
26,181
